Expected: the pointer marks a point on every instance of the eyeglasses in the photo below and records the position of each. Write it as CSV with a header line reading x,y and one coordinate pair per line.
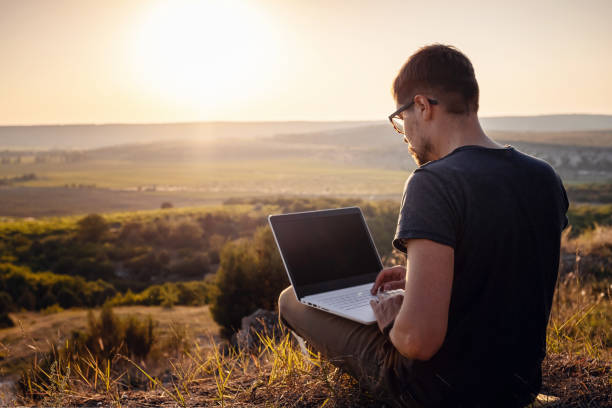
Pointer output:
x,y
396,119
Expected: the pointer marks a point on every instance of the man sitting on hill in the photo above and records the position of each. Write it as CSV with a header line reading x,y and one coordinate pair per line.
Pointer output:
x,y
481,225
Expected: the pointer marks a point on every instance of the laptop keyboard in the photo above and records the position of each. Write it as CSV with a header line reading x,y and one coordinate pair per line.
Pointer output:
x,y
348,301
352,300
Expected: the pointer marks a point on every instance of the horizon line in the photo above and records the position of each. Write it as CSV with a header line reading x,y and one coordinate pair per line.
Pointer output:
x,y
192,122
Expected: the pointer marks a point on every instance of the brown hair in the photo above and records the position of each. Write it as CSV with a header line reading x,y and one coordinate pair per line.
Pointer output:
x,y
445,73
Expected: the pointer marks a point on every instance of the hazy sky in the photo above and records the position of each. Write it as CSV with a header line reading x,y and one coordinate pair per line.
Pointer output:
x,y
84,61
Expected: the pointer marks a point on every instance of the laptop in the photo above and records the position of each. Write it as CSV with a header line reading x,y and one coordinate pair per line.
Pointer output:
x,y
331,260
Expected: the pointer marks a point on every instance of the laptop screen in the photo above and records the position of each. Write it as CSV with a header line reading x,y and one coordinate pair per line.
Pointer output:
x,y
326,250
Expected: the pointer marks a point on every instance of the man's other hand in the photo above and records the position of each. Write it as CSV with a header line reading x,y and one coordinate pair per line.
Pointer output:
x,y
386,309
390,279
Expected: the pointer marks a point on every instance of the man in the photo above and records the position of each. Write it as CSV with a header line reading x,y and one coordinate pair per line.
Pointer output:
x,y
481,225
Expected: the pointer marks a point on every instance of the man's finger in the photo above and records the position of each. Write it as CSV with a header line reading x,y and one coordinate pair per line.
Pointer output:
x,y
394,285
383,276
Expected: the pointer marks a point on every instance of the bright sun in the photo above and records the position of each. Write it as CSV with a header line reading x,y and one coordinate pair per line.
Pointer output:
x,y
204,51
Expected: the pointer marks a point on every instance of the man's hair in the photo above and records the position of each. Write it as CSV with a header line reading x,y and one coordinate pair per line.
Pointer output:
x,y
442,72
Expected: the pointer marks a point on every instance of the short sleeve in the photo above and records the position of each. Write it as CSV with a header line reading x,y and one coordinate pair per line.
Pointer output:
x,y
565,204
427,211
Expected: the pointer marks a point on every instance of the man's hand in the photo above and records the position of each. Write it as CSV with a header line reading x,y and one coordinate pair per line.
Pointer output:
x,y
389,279
386,309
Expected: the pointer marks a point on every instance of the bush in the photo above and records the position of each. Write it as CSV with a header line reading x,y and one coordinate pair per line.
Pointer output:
x,y
186,235
54,308
40,290
139,336
251,276
90,353
92,228
109,335
5,321
194,293
6,302
27,300
192,267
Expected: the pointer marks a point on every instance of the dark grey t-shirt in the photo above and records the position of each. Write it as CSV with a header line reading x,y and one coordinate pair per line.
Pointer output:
x,y
503,212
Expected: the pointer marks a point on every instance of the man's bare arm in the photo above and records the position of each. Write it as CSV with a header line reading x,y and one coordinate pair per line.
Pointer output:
x,y
420,326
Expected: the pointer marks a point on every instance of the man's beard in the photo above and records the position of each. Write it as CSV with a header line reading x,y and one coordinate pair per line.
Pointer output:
x,y
422,155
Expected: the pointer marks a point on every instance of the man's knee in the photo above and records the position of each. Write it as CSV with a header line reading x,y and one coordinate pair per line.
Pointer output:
x,y
287,302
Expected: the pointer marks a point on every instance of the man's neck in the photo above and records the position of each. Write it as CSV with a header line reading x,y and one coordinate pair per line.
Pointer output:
x,y
463,132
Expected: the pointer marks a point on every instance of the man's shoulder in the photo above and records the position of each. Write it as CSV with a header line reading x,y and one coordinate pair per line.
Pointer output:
x,y
469,160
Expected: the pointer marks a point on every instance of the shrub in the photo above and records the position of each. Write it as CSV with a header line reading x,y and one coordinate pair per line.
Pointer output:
x,y
92,228
40,290
193,267
169,295
145,266
90,354
250,276
46,301
54,308
109,335
131,232
5,321
186,235
6,302
139,336
27,300
193,293
104,336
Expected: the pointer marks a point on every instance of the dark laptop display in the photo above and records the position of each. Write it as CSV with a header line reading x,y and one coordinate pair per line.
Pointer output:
x,y
326,250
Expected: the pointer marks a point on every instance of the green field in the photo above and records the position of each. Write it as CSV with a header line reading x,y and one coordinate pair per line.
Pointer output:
x,y
364,162
102,186
296,176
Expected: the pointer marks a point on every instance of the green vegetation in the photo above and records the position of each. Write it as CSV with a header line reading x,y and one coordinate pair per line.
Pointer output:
x,y
255,176
195,293
161,257
590,192
584,217
62,263
250,277
35,291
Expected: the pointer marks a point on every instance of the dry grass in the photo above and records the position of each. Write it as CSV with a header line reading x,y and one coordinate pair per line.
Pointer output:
x,y
597,241
202,372
37,333
578,368
277,374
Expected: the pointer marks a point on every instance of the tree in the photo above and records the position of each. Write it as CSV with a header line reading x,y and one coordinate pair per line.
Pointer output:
x,y
6,303
251,276
92,227
186,235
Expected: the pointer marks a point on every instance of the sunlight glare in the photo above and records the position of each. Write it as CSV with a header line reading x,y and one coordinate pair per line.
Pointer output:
x,y
204,51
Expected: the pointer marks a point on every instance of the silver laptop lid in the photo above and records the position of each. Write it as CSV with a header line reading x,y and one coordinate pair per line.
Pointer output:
x,y
326,250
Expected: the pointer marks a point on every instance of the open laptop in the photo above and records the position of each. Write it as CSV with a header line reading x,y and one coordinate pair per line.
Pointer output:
x,y
331,260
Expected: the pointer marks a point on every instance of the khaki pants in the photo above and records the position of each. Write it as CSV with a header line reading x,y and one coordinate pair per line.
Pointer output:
x,y
360,350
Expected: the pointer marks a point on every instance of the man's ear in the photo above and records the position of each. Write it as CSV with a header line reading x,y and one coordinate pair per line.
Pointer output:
x,y
422,107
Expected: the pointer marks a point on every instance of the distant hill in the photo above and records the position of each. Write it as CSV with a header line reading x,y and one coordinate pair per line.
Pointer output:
x,y
96,136
578,156
384,135
548,123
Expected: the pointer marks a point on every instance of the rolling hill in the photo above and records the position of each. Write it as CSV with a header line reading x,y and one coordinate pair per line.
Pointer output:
x,y
90,136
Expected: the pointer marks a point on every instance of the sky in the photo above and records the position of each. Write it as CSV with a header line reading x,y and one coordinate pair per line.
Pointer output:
x,y
136,61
